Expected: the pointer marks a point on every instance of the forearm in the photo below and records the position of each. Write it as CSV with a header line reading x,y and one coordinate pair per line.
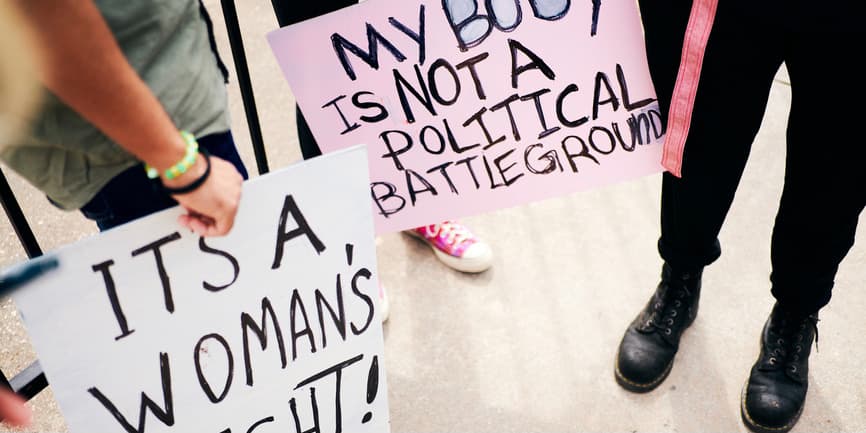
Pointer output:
x,y
85,68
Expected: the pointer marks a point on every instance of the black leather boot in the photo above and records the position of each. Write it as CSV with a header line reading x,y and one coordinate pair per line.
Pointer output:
x,y
774,396
646,352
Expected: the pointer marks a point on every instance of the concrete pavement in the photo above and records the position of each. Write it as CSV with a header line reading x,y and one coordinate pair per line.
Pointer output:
x,y
529,345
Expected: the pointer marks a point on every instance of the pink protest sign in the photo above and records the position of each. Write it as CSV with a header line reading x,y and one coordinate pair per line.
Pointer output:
x,y
470,106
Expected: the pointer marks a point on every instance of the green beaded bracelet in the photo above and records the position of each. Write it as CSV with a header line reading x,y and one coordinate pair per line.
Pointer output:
x,y
183,165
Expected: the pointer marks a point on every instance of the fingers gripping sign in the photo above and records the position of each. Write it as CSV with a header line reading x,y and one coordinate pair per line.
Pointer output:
x,y
212,206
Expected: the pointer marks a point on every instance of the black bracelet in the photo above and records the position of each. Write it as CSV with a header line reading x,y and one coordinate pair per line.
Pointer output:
x,y
192,186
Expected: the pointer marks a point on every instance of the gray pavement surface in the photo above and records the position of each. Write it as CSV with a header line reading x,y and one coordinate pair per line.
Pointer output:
x,y
529,345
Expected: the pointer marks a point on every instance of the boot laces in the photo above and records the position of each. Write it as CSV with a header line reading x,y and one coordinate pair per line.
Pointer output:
x,y
788,346
668,309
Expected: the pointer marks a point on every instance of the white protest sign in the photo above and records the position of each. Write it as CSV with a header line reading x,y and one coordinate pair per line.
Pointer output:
x,y
474,105
149,328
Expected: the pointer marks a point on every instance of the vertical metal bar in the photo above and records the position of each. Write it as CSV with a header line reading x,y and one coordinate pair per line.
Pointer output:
x,y
30,381
240,60
16,217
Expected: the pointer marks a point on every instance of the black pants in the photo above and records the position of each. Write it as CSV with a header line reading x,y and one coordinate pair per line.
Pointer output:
x,y
292,11
825,165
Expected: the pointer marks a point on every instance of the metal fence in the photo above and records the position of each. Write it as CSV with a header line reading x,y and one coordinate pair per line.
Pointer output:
x,y
30,381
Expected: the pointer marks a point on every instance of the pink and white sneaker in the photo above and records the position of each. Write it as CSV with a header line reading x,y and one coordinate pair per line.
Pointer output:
x,y
456,246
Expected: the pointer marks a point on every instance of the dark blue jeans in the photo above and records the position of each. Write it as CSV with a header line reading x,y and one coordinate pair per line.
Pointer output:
x,y
131,195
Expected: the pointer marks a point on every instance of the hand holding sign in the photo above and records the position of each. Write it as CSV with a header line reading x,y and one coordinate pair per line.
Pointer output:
x,y
213,205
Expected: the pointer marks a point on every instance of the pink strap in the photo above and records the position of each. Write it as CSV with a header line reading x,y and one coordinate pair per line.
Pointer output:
x,y
683,98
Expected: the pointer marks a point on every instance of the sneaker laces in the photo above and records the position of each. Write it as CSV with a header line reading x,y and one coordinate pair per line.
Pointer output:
x,y
453,233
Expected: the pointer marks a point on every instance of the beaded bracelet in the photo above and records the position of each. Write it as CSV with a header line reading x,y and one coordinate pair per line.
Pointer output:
x,y
192,186
183,165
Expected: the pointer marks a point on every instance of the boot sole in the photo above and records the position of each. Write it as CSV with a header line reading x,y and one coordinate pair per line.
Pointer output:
x,y
758,428
640,388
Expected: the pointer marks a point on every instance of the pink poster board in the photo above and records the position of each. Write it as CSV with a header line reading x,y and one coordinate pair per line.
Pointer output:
x,y
469,106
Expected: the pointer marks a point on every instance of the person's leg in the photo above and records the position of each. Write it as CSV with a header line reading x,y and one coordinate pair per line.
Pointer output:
x,y
825,174
131,195
309,146
742,57
823,196
289,12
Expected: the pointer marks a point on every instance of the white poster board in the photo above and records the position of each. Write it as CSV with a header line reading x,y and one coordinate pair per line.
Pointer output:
x,y
149,328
